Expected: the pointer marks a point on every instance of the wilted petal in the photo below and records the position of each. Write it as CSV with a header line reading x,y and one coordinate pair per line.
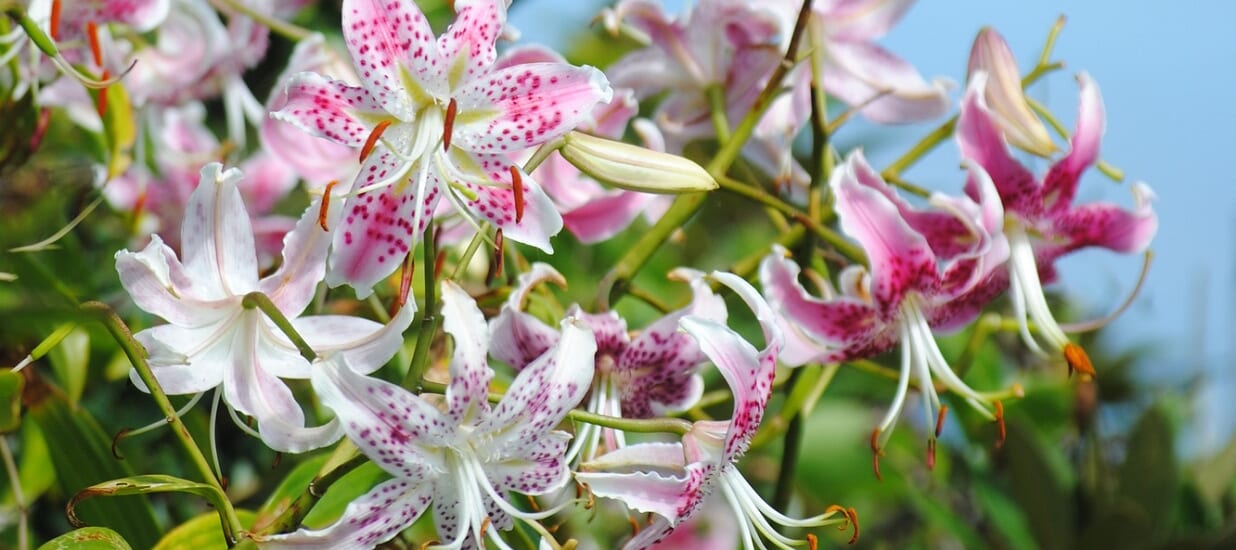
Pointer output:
x,y
372,519
526,105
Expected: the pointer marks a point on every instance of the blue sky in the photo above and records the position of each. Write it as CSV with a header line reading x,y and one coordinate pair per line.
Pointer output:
x,y
1168,89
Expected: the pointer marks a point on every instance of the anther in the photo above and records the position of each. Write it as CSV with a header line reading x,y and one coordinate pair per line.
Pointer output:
x,y
1078,361
495,267
372,140
428,543
325,204
101,102
634,525
940,419
875,453
405,284
116,441
517,184
1000,424
812,542
92,32
484,526
54,25
438,262
931,453
853,515
448,125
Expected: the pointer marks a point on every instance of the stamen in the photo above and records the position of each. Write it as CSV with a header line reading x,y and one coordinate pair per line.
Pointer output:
x,y
533,504
931,453
495,267
119,435
812,542
101,102
372,140
517,183
875,453
851,519
484,525
405,284
438,262
430,542
1078,361
40,128
940,419
853,515
448,125
92,32
1000,424
325,204
634,525
54,26
223,482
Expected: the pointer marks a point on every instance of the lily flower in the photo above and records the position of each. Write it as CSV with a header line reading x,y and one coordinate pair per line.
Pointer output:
x,y
212,340
1042,223
1003,92
434,119
655,373
464,457
673,480
929,269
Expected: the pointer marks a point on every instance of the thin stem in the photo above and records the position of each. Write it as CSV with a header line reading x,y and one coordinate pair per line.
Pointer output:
x,y
268,308
789,452
716,103
137,356
299,508
282,28
845,247
430,320
10,467
473,246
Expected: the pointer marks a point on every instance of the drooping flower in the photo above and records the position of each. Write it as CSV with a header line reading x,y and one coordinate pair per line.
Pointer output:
x,y
653,374
672,480
438,120
930,269
1042,223
213,341
465,458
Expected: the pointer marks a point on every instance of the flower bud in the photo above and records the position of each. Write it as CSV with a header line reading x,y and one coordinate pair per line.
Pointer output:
x,y
1004,95
632,167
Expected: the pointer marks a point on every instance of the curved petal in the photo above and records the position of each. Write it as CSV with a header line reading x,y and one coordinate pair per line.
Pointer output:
x,y
863,19
1060,183
292,285
392,427
1111,226
159,284
365,344
526,105
605,216
749,374
469,368
387,40
329,109
888,89
495,202
372,519
545,470
468,47
980,141
901,259
217,237
185,360
644,492
517,338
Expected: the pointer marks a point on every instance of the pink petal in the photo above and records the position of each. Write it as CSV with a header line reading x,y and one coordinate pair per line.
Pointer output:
x,y
644,492
467,48
526,105
861,20
389,425
981,142
901,259
329,109
606,216
217,237
1111,226
1060,183
496,203
372,519
380,226
857,73
393,48
469,368
516,338
947,235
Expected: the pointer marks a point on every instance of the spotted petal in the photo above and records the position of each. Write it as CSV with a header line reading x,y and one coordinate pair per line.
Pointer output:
x,y
469,368
393,48
217,237
980,141
372,519
517,338
491,185
468,47
329,109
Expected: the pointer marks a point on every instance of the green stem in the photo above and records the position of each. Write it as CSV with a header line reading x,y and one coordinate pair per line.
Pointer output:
x,y
137,355
19,497
430,320
282,28
789,453
297,510
850,250
262,302
716,103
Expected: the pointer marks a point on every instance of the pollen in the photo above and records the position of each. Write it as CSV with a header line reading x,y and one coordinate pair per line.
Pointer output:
x,y
448,126
940,419
517,184
372,140
1000,424
325,204
1078,361
54,25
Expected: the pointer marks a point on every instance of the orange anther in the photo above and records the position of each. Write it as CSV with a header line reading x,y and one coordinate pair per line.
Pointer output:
x,y
448,125
517,184
325,204
1078,361
1000,424
853,515
875,453
54,25
92,32
101,102
484,525
372,140
940,419
438,262
634,524
405,284
812,542
428,543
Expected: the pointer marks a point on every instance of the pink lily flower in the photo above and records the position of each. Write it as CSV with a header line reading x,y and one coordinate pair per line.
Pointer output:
x,y
466,456
439,121
672,480
929,269
213,341
655,373
1042,221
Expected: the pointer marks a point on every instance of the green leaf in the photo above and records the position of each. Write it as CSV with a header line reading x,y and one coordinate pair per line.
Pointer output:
x,y
289,489
11,386
81,455
348,488
1214,475
203,531
1148,477
1044,495
1002,512
88,538
146,484
71,362
119,128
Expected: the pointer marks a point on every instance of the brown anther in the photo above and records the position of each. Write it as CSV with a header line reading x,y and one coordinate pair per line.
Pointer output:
x,y
405,284
372,140
812,542
517,184
54,25
325,204
438,263
223,483
92,33
940,419
634,525
484,526
495,267
428,543
875,453
853,515
931,453
1078,361
1000,424
448,125
116,442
